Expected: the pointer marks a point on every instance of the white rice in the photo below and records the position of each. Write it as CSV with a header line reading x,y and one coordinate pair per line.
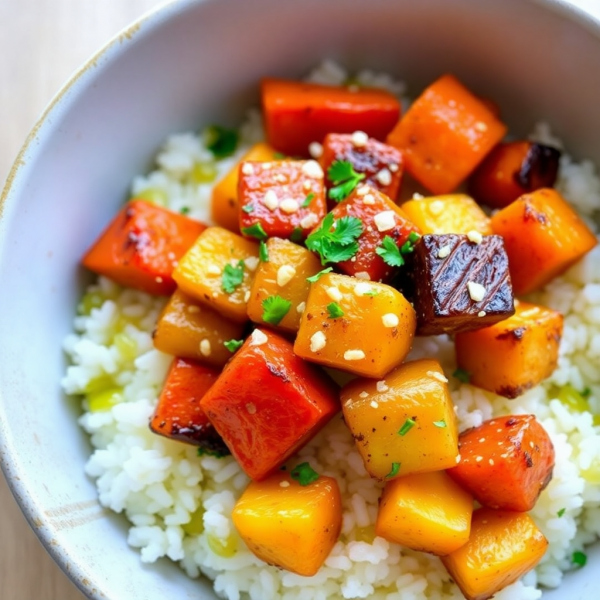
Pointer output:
x,y
162,486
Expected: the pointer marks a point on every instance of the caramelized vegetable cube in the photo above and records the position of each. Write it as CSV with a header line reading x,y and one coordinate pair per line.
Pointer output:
x,y
218,270
543,237
141,246
505,462
513,355
225,208
358,326
404,423
289,525
445,134
426,512
503,546
268,403
457,284
178,414
298,113
453,213
513,169
284,274
286,198
188,329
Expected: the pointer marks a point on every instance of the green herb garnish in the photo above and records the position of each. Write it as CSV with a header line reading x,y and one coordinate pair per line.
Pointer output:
x,y
304,474
185,210
232,277
335,240
408,425
344,178
308,200
248,208
371,293
318,275
395,470
462,375
213,453
561,512
255,231
334,310
221,141
390,252
278,155
409,245
587,392
579,559
274,309
233,345
297,235
263,252
441,424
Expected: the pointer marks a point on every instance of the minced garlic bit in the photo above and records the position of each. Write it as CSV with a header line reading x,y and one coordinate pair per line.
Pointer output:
x,y
475,236
457,458
384,177
385,220
354,355
516,303
252,262
362,190
311,168
359,139
270,200
481,126
307,185
438,376
479,459
205,348
285,274
247,296
390,320
417,196
393,167
171,256
334,293
476,291
247,169
315,149
361,288
284,484
317,341
491,461
266,165
213,270
300,308
363,395
362,275
251,408
481,313
158,279
436,207
258,338
369,199
289,206
193,309
443,252
382,386
374,404
309,221
280,177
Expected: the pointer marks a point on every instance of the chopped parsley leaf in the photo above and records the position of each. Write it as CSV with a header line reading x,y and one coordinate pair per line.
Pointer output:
x,y
334,310
408,425
263,252
335,240
579,559
390,252
185,210
318,275
462,375
395,470
561,512
344,178
221,141
304,474
441,424
233,345
274,309
232,277
308,200
248,208
255,231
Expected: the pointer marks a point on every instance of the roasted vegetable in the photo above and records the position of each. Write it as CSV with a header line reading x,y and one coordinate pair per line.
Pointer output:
x,y
290,525
405,423
445,134
178,414
298,113
458,283
503,546
141,247
505,462
268,403
426,511
218,270
543,237
513,169
513,355
189,329
358,326
285,198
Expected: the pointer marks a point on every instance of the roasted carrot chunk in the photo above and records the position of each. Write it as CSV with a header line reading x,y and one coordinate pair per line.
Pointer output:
x,y
505,462
178,414
513,355
503,546
445,134
268,403
141,247
290,524
513,169
298,113
284,199
543,237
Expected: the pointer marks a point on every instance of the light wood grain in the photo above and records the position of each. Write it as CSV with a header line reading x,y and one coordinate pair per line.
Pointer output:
x,y
41,43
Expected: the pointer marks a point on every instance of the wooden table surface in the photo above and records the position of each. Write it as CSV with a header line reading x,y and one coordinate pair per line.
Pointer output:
x,y
41,43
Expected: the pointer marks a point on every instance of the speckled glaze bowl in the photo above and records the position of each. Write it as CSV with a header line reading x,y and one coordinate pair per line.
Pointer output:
x,y
193,62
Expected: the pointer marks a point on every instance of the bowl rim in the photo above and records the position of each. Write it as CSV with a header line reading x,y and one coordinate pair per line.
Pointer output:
x,y
70,90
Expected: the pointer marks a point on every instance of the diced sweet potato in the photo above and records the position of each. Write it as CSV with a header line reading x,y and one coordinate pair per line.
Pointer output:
x,y
189,329
453,213
225,208
445,134
298,113
284,275
141,246
268,403
405,423
457,284
178,414
427,512
218,270
503,546
506,462
358,326
543,237
286,198
513,169
513,355
289,525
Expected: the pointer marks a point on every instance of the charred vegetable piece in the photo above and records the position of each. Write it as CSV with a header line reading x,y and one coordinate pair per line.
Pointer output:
x,y
427,512
503,546
358,326
225,208
290,525
513,355
268,403
404,423
457,284
513,169
297,113
505,462
283,275
286,198
218,270
445,134
453,213
189,329
178,414
543,237
141,246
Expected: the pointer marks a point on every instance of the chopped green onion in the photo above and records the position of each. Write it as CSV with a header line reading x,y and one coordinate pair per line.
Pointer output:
x,y
408,425
263,252
440,424
308,200
395,470
304,474
579,559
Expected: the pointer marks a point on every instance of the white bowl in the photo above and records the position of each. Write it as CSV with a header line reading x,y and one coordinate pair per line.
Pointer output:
x,y
195,62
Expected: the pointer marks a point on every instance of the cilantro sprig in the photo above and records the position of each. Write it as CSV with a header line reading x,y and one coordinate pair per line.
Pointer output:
x,y
221,141
390,252
335,240
274,309
304,474
232,277
344,178
317,276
